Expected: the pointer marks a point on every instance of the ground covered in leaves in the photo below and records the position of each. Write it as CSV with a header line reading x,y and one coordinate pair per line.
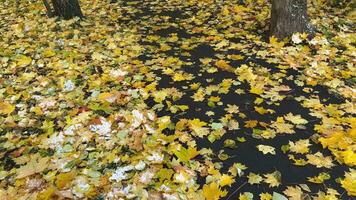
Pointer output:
x,y
176,100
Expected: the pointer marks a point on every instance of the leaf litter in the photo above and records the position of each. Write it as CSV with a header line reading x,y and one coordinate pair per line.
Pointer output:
x,y
175,100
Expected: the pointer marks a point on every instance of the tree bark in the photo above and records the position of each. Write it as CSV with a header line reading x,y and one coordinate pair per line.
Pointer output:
x,y
67,8
288,17
48,8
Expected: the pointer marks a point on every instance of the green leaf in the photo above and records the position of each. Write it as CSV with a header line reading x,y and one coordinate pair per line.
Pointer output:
x,y
164,174
277,196
216,126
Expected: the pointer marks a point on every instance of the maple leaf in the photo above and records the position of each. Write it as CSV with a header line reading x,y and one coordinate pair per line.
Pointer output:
x,y
49,53
108,97
256,90
301,146
163,122
246,196
232,109
213,192
223,65
180,76
6,108
319,160
320,178
236,57
245,73
23,61
164,174
185,155
282,127
98,56
37,164
349,182
251,123
294,193
273,179
265,149
295,119
48,193
349,156
197,126
159,96
274,42
254,178
237,169
265,196
262,110
64,179
226,180
199,95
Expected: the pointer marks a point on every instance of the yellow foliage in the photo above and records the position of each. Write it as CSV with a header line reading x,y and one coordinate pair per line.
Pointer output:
x,y
349,182
6,108
47,194
213,192
226,180
64,178
48,53
23,61
223,65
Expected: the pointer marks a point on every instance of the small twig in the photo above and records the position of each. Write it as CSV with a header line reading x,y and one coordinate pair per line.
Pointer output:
x,y
236,190
48,8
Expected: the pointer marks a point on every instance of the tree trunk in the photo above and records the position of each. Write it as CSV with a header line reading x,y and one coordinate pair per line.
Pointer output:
x,y
67,8
288,17
48,8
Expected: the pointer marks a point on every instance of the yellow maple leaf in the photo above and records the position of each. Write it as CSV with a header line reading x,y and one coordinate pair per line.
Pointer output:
x,y
295,119
159,96
294,193
349,157
251,123
319,160
274,42
265,149
349,182
36,165
48,53
214,98
300,146
254,178
273,179
196,123
332,141
194,86
256,90
226,180
262,110
245,72
213,192
63,179
23,61
199,95
223,65
185,155
320,178
98,56
163,122
236,57
47,194
179,77
6,108
108,97
265,196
